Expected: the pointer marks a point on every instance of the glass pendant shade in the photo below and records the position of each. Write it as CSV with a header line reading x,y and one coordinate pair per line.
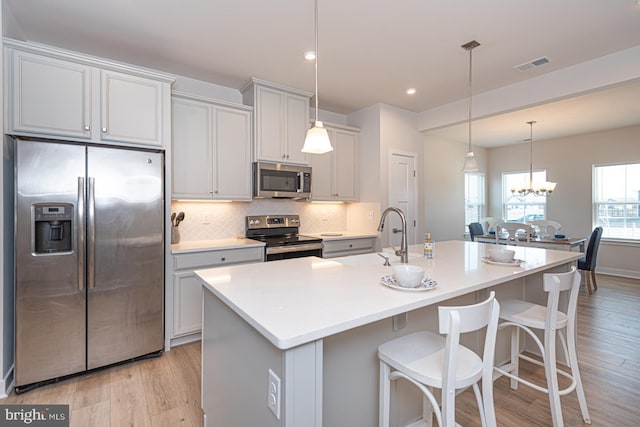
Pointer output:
x,y
470,163
317,140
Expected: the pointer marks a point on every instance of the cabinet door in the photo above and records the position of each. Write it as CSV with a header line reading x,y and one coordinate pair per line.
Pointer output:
x,y
49,96
322,176
270,132
187,300
232,153
346,165
131,109
191,150
297,124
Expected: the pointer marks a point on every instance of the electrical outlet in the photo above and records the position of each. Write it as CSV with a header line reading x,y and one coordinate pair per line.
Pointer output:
x,y
273,394
370,215
205,218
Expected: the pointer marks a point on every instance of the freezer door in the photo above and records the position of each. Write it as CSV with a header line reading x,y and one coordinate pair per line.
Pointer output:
x,y
49,294
125,254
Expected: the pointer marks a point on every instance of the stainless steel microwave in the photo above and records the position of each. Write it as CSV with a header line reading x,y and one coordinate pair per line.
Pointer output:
x,y
277,180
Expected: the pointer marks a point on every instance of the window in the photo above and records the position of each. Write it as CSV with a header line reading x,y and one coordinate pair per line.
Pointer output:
x,y
616,200
474,200
517,208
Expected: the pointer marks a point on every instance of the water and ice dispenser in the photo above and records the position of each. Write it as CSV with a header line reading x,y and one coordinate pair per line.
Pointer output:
x,y
52,228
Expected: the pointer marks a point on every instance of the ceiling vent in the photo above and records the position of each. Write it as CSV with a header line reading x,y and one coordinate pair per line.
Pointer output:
x,y
532,64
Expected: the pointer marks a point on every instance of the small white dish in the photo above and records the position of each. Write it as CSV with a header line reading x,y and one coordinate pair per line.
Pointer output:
x,y
501,255
408,275
513,263
426,284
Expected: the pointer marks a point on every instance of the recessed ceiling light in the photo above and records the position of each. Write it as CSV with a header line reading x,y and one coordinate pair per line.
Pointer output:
x,y
411,91
309,55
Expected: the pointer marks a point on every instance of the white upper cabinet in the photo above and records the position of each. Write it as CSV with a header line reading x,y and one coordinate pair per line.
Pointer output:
x,y
336,174
131,109
64,95
281,120
211,149
49,96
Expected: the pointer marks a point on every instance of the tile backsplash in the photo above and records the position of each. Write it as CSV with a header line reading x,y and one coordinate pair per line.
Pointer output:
x,y
209,220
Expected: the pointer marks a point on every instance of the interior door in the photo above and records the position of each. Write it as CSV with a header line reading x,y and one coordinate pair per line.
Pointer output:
x,y
125,254
402,189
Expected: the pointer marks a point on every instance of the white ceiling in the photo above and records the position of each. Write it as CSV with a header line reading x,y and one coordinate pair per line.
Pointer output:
x,y
370,51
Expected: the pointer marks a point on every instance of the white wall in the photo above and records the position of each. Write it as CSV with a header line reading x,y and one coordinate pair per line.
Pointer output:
x,y
569,162
444,186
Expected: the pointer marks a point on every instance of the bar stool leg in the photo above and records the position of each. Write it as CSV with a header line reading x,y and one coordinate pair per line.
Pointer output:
x,y
551,373
515,355
575,373
385,395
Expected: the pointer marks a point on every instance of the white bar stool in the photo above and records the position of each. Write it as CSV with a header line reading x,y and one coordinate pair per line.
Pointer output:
x,y
430,360
528,316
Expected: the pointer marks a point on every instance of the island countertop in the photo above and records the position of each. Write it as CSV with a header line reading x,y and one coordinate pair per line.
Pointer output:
x,y
296,301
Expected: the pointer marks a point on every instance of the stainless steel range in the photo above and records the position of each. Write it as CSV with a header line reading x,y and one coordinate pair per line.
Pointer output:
x,y
280,233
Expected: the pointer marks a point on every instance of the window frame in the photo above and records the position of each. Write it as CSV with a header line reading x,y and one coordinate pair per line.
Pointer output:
x,y
482,204
596,204
527,201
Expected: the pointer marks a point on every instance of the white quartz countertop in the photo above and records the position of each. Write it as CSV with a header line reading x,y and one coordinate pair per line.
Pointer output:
x,y
295,301
340,235
210,245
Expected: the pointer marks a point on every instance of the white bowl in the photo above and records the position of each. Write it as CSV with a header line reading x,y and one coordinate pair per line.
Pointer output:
x,y
502,255
407,275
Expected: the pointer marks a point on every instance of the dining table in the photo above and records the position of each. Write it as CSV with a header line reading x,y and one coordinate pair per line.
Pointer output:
x,y
565,243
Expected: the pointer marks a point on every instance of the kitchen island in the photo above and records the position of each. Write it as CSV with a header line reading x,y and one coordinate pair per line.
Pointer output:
x,y
316,325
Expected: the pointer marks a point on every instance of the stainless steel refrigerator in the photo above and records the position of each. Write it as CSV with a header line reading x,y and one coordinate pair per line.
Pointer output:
x,y
89,258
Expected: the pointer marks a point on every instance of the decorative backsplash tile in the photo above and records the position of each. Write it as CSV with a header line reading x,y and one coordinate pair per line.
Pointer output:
x,y
209,220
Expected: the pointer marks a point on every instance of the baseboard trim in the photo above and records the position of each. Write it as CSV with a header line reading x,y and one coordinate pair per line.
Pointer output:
x,y
6,384
618,272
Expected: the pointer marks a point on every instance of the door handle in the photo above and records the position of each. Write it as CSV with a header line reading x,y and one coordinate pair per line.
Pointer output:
x,y
396,230
80,231
91,231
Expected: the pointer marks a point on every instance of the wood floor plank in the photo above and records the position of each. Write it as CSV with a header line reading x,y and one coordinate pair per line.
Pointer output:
x,y
128,403
96,415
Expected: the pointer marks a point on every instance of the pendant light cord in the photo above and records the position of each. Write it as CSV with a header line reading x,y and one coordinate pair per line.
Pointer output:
x,y
531,154
470,92
316,60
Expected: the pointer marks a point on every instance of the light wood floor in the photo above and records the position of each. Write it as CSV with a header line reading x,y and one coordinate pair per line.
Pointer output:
x,y
166,391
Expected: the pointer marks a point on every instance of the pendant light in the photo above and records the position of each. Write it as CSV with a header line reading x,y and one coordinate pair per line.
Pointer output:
x,y
470,162
317,140
537,189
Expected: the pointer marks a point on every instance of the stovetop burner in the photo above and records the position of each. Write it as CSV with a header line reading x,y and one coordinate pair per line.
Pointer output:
x,y
277,230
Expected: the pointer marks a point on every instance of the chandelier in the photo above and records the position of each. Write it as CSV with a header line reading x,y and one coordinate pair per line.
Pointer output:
x,y
537,189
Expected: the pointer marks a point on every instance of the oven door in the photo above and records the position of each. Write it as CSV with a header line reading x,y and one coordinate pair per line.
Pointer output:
x,y
274,253
280,180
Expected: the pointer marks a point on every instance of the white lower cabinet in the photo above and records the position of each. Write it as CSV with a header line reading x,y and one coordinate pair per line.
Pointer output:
x,y
336,174
187,288
350,246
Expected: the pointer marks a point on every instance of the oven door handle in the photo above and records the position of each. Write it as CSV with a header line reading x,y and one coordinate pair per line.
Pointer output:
x,y
293,248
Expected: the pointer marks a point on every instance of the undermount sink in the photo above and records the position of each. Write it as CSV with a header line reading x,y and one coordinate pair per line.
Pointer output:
x,y
375,259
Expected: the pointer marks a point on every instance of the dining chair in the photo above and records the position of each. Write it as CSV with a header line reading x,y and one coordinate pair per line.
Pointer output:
x,y
526,316
475,229
429,360
515,231
588,262
547,227
489,223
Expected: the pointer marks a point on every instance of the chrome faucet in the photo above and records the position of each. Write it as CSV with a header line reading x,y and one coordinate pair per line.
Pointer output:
x,y
403,253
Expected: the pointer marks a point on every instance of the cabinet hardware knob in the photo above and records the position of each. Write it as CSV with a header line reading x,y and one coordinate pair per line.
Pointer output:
x,y
104,130
223,259
287,156
87,128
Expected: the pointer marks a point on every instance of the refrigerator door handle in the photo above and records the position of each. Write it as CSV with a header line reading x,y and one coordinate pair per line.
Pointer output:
x,y
91,231
80,228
